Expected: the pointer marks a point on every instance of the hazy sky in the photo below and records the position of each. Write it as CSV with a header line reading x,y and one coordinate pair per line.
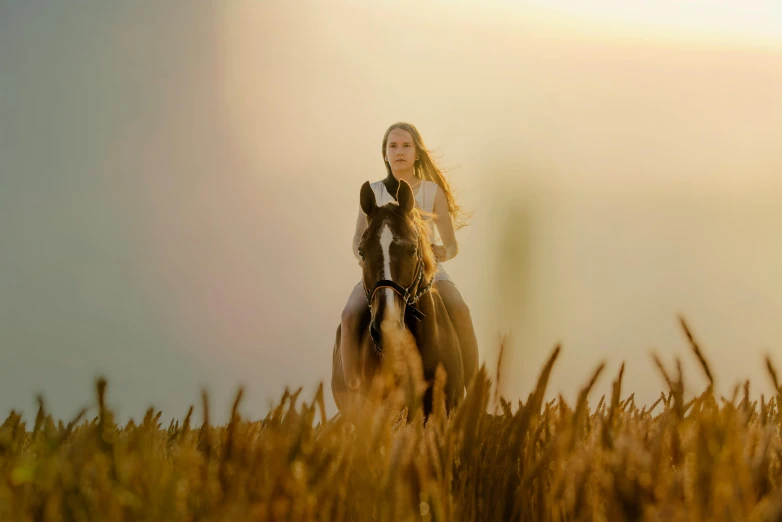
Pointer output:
x,y
179,185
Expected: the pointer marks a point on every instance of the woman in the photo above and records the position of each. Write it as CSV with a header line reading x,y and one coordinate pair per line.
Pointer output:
x,y
407,158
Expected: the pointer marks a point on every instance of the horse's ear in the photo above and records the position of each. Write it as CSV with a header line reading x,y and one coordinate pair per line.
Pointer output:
x,y
368,202
405,197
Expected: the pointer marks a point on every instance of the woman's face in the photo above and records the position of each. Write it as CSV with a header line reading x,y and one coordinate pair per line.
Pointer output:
x,y
400,151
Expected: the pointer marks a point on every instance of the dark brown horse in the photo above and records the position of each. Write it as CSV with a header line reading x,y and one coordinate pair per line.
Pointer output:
x,y
398,268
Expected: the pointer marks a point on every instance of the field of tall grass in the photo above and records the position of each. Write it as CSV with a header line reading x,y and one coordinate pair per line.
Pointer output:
x,y
709,458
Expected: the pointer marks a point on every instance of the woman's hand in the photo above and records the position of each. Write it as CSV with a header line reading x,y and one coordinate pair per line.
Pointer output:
x,y
440,253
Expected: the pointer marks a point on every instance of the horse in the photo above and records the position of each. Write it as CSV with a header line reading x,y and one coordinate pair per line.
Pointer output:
x,y
398,267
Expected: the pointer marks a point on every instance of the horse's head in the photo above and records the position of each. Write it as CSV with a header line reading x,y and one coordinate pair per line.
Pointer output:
x,y
397,258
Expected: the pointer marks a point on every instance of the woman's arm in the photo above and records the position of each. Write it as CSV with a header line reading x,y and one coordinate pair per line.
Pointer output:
x,y
361,226
444,227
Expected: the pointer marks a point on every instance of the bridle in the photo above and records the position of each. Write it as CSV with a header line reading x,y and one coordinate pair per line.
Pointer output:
x,y
406,294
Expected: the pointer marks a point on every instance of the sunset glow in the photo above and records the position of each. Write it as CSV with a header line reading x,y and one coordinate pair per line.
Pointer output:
x,y
756,22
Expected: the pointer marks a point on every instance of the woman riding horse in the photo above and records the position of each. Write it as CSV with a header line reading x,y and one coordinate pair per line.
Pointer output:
x,y
407,160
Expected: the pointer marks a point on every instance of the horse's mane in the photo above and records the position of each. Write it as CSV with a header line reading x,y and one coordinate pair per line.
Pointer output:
x,y
420,219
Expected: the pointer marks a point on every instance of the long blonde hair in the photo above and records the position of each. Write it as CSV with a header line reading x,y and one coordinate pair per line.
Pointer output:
x,y
425,168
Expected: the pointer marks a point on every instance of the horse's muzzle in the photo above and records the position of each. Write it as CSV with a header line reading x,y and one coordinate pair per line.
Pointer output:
x,y
388,326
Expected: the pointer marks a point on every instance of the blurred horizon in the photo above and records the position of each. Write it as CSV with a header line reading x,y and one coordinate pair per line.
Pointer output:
x,y
179,186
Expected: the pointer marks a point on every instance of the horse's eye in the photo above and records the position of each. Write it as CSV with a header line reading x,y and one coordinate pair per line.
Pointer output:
x,y
361,253
412,251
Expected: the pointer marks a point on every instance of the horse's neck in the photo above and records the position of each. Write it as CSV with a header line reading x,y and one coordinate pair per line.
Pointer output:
x,y
428,305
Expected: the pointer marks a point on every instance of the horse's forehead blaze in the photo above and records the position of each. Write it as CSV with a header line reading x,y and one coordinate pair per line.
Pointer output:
x,y
386,233
386,238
